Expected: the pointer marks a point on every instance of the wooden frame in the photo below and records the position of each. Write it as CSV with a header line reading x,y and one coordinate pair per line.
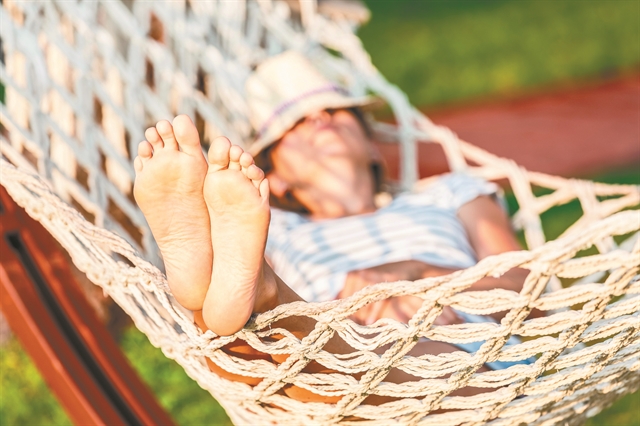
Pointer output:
x,y
48,312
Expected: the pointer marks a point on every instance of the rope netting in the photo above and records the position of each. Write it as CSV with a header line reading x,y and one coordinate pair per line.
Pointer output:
x,y
84,79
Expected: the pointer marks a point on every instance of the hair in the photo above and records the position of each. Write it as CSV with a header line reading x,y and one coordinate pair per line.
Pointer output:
x,y
289,202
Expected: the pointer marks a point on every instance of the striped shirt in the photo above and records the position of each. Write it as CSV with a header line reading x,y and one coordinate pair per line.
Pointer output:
x,y
314,256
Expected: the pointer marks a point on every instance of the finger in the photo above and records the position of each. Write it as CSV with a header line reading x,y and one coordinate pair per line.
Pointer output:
x,y
399,308
373,276
350,284
375,312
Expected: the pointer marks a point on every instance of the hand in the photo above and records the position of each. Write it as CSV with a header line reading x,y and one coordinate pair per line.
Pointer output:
x,y
399,308
357,280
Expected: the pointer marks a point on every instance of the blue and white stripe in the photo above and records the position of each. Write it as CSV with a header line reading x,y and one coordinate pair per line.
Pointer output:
x,y
314,257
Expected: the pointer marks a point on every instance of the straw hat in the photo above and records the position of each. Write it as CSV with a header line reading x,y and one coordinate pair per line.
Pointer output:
x,y
284,89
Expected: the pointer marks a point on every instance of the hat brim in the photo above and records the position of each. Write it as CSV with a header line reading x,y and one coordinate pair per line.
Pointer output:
x,y
284,122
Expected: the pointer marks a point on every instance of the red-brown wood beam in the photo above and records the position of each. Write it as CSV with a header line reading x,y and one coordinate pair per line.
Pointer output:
x,y
48,312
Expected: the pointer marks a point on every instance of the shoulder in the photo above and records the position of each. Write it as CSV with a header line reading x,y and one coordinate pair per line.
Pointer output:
x,y
452,190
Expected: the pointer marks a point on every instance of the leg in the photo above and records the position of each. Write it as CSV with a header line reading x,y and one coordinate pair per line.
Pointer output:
x,y
237,197
170,171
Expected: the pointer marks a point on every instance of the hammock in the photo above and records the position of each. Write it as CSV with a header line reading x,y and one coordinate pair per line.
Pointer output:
x,y
83,79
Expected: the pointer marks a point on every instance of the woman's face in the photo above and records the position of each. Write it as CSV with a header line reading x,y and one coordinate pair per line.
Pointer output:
x,y
325,147
325,157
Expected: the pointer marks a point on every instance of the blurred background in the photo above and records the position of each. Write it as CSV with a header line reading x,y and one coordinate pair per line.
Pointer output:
x,y
555,85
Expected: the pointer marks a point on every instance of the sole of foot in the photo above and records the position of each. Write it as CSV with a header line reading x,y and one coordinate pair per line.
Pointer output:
x,y
170,172
237,196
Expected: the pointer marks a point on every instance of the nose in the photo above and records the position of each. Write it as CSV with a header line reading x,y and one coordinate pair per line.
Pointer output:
x,y
318,118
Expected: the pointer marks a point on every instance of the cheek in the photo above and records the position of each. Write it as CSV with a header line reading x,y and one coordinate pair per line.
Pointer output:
x,y
351,130
293,147
347,121
291,162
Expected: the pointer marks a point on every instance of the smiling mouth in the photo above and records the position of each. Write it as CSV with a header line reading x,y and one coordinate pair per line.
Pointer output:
x,y
327,136
331,149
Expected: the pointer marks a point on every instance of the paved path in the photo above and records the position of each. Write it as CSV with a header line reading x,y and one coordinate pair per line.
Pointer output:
x,y
575,132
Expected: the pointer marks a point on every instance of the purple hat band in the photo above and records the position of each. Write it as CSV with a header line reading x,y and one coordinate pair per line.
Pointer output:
x,y
288,104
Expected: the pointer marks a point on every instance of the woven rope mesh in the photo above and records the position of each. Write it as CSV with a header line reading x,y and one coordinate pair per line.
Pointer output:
x,y
83,80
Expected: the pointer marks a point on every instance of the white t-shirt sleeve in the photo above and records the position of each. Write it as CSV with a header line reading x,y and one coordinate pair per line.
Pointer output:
x,y
449,192
463,188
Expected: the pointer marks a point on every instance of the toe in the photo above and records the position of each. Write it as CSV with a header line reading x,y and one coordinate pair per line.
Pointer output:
x,y
145,151
246,160
264,190
234,157
137,164
154,138
165,130
256,175
187,135
219,154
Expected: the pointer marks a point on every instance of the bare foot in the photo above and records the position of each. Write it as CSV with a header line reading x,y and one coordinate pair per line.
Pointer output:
x,y
237,195
170,171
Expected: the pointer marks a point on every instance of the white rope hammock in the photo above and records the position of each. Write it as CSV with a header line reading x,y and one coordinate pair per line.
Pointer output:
x,y
83,79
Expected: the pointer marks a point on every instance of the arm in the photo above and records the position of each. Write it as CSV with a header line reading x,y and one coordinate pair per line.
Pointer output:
x,y
400,308
489,232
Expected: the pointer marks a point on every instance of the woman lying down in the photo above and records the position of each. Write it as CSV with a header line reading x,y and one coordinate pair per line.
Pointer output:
x,y
228,254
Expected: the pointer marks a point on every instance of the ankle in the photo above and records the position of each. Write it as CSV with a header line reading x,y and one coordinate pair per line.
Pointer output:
x,y
268,295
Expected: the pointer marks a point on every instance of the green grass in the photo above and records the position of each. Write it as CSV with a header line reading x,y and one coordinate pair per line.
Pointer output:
x,y
25,398
448,51
187,402
624,412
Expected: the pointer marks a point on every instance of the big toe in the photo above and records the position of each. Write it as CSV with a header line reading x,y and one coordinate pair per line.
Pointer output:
x,y
219,153
187,135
